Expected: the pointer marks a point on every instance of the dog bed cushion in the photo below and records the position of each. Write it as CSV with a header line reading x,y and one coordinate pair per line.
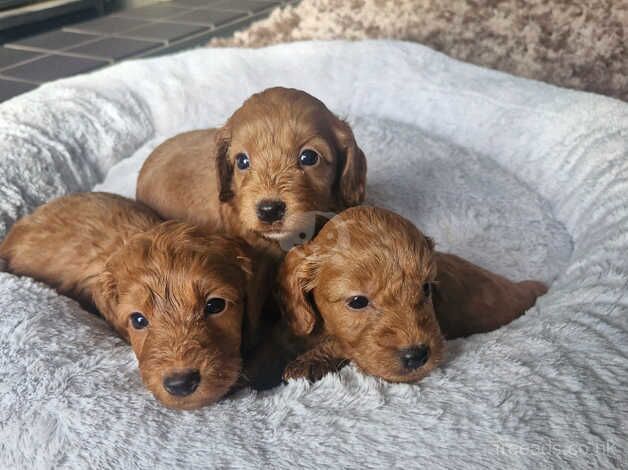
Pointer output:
x,y
524,178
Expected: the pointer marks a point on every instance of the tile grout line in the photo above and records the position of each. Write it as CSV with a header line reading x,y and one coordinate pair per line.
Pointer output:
x,y
173,19
21,80
111,60
169,17
23,62
159,42
66,52
189,22
208,34
151,22
82,56
22,47
127,34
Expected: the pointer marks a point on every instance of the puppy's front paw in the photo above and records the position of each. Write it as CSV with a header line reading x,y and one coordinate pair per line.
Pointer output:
x,y
310,369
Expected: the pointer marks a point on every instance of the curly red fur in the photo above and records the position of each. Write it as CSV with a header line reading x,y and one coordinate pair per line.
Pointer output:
x,y
378,254
117,257
194,177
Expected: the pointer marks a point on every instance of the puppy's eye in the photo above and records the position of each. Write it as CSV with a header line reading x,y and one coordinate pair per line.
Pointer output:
x,y
427,290
242,160
357,302
308,157
214,306
138,321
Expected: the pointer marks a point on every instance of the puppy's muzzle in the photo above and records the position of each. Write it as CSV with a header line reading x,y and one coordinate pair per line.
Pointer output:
x,y
270,211
181,384
414,357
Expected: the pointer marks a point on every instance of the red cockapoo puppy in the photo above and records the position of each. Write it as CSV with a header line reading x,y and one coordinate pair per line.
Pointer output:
x,y
180,296
369,288
280,157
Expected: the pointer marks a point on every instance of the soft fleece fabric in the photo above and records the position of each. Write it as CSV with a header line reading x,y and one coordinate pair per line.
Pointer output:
x,y
524,178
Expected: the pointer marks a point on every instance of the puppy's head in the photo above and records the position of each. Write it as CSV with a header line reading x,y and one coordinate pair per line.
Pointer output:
x,y
178,296
367,278
283,155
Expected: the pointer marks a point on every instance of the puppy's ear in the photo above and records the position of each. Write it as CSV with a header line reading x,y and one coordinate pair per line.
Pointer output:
x,y
297,278
106,301
224,168
351,179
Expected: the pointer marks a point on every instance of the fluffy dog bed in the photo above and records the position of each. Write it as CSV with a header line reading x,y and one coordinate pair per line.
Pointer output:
x,y
524,178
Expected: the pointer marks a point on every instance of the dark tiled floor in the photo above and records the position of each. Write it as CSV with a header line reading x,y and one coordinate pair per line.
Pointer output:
x,y
11,88
149,30
9,57
249,6
52,67
53,41
207,16
106,25
196,3
153,12
114,48
165,31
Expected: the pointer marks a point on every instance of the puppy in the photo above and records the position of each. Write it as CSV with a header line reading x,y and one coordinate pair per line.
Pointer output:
x,y
281,156
177,294
369,289
363,289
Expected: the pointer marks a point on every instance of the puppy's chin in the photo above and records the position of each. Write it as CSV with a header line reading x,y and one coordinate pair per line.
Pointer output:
x,y
289,234
397,374
296,228
197,400
214,385
276,231
276,235
410,377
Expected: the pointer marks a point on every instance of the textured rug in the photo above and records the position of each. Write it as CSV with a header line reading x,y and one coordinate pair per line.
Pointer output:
x,y
575,44
527,179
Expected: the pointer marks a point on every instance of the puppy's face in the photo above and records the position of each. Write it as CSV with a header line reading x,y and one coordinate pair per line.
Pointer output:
x,y
180,297
368,278
284,155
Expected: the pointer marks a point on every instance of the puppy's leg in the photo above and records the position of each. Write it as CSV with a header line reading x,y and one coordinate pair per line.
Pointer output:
x,y
322,359
529,291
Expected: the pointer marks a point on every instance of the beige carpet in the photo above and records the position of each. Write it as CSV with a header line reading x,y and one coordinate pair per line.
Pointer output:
x,y
575,44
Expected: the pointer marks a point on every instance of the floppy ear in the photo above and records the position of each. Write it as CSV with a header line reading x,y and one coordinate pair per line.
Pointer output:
x,y
106,301
351,178
297,277
224,168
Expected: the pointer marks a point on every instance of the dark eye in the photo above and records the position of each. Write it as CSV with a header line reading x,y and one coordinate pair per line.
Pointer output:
x,y
138,321
427,290
358,302
242,160
308,157
215,305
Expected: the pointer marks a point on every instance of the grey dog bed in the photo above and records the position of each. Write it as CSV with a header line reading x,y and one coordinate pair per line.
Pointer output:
x,y
524,178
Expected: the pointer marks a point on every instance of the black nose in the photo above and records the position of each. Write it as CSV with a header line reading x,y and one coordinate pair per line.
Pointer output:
x,y
415,357
182,384
270,211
